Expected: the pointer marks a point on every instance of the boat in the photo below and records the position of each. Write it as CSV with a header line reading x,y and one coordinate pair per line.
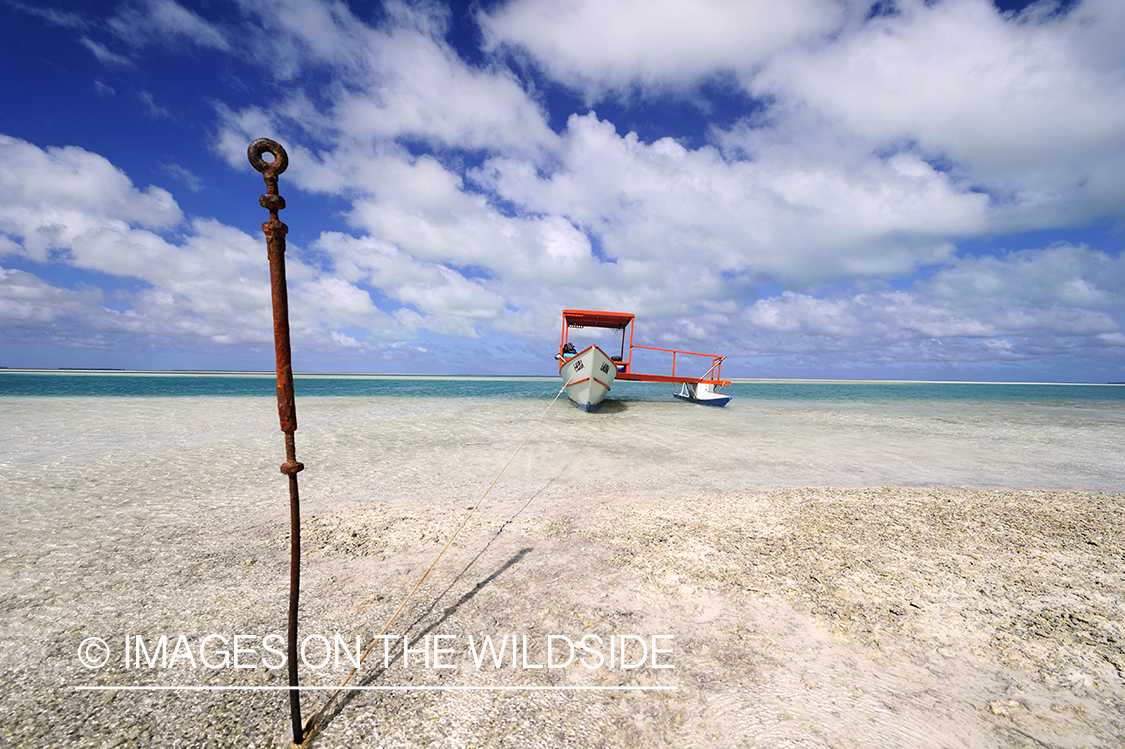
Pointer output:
x,y
704,393
589,374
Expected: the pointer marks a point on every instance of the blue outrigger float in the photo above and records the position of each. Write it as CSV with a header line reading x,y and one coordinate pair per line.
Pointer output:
x,y
589,374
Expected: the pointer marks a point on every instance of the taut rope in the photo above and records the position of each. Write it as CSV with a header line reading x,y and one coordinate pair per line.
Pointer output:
x,y
313,722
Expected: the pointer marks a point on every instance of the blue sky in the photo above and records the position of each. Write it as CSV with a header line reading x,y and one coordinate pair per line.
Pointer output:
x,y
815,188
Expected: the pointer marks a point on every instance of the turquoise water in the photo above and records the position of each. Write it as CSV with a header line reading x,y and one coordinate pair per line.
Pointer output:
x,y
190,385
63,384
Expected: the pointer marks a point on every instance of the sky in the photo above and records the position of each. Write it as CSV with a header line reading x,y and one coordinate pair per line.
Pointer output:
x,y
815,188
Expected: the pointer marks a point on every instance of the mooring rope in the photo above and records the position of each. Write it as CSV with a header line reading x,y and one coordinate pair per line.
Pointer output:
x,y
313,722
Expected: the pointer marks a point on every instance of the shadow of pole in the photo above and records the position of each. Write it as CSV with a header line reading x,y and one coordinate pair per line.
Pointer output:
x,y
429,609
392,653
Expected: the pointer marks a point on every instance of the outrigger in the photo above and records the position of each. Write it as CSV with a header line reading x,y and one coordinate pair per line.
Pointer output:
x,y
589,374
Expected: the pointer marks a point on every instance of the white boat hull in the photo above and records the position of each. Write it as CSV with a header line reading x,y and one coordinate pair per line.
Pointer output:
x,y
703,393
589,376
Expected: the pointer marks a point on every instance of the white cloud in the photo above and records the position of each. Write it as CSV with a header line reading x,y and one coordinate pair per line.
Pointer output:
x,y
1032,109
49,197
608,47
399,81
159,21
1042,302
104,55
330,303
1061,275
27,302
423,90
51,15
783,216
439,298
153,109
298,32
183,176
208,285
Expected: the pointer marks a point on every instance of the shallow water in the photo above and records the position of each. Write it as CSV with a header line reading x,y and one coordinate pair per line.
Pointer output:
x,y
404,439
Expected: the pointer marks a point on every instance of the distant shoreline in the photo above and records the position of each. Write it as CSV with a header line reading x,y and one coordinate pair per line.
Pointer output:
x,y
525,378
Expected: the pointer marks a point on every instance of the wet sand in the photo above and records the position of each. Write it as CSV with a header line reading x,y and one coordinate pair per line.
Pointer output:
x,y
813,617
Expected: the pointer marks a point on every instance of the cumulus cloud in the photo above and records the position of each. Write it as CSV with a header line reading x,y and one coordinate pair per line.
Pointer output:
x,y
431,295
207,284
611,47
1030,107
1051,301
1061,275
1027,106
399,81
49,197
28,304
781,217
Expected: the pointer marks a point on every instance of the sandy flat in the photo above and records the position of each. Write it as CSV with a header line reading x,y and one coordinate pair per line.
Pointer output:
x,y
798,617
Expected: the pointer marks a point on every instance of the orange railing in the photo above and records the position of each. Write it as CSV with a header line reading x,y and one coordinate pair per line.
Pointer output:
x,y
716,362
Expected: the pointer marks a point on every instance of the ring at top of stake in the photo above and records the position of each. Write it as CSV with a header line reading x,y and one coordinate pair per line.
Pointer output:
x,y
267,168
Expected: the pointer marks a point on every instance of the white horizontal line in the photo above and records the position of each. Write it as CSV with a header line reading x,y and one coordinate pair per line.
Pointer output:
x,y
377,689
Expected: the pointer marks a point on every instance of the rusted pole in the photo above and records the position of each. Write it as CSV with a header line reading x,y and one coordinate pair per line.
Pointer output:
x,y
275,232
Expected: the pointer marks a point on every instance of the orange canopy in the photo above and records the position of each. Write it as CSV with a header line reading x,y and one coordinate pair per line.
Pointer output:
x,y
582,318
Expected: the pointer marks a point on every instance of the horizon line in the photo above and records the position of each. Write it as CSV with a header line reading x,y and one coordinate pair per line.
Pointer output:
x,y
399,376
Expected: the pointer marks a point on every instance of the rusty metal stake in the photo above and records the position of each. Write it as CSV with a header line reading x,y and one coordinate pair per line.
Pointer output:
x,y
275,232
